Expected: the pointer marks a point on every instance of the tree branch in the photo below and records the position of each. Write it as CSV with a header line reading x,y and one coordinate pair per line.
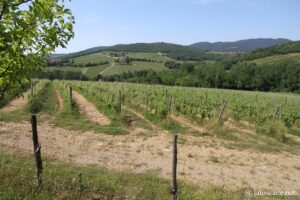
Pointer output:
x,y
20,3
3,8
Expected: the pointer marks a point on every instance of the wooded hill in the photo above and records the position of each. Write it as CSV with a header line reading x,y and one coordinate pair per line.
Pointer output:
x,y
239,46
275,68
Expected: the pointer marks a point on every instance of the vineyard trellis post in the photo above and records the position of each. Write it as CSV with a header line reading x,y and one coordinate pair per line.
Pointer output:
x,y
174,169
169,105
71,97
120,101
222,111
81,187
37,150
280,111
275,114
31,90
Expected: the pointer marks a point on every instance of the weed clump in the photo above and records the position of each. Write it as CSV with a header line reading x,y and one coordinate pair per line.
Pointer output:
x,y
221,131
275,129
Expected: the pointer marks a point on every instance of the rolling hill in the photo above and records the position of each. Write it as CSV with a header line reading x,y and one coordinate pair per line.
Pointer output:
x,y
152,56
239,46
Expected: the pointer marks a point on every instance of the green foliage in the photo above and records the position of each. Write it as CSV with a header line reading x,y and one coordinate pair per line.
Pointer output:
x,y
275,129
71,118
173,51
62,74
118,69
222,132
239,46
44,100
30,30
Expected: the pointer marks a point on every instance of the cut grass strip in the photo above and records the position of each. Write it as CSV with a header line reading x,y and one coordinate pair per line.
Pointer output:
x,y
71,118
61,181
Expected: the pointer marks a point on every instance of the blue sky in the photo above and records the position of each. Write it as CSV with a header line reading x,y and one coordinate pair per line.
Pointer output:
x,y
110,22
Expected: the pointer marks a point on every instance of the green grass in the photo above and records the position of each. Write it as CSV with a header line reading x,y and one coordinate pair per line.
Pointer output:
x,y
278,58
262,143
92,58
134,66
92,72
44,100
150,56
72,69
61,181
294,131
16,115
71,118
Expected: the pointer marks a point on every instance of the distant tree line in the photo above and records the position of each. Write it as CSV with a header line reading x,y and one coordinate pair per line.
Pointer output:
x,y
291,47
283,76
62,75
71,63
90,64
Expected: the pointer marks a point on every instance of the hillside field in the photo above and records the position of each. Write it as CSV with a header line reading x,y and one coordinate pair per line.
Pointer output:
x,y
156,63
118,136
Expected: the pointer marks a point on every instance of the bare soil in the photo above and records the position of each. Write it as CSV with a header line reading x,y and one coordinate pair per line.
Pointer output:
x,y
59,101
202,160
183,121
16,104
90,111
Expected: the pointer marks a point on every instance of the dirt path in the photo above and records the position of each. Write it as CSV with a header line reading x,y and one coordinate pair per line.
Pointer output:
x,y
16,104
201,160
90,110
112,65
153,126
183,121
60,102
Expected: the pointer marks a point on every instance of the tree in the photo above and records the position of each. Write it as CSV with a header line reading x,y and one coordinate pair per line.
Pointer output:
x,y
29,31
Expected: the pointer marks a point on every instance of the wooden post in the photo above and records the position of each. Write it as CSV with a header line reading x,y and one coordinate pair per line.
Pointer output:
x,y
285,101
147,101
37,150
31,90
71,96
275,113
174,168
81,187
222,111
169,105
280,111
120,101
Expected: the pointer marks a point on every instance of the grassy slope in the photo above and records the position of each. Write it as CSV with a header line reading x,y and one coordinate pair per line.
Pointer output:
x,y
153,56
70,118
135,66
74,69
278,58
92,72
61,181
93,58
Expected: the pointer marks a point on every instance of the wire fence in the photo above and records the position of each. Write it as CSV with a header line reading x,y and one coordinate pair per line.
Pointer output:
x,y
76,154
